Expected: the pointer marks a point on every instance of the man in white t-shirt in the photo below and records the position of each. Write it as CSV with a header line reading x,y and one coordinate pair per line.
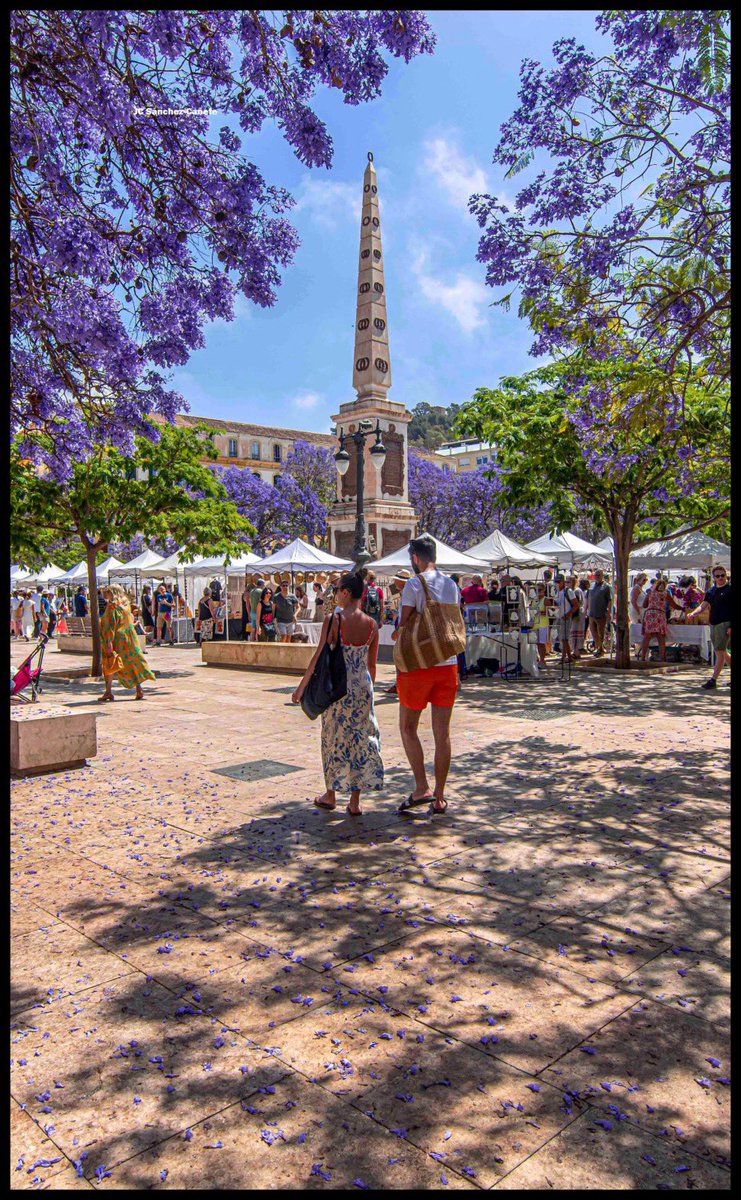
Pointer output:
x,y
568,606
437,685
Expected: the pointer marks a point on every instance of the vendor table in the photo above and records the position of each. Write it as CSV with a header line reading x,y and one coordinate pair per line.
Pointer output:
x,y
182,628
688,635
504,647
313,629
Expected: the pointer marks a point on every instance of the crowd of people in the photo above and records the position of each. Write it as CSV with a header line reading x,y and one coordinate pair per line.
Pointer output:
x,y
569,614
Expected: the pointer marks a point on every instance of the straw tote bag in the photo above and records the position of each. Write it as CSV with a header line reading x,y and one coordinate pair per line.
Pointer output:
x,y
430,636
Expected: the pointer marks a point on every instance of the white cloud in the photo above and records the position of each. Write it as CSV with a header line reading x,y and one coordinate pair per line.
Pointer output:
x,y
307,400
457,174
464,298
329,201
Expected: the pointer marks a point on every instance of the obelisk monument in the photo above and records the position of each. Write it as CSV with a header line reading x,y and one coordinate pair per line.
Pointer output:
x,y
389,515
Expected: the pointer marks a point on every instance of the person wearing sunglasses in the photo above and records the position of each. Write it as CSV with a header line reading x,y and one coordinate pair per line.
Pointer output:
x,y
717,602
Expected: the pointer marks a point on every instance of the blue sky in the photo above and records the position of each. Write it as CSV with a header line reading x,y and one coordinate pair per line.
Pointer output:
x,y
432,133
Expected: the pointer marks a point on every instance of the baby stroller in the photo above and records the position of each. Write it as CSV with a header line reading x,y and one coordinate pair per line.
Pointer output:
x,y
28,675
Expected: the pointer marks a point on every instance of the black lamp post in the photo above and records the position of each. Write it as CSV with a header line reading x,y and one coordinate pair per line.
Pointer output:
x,y
361,553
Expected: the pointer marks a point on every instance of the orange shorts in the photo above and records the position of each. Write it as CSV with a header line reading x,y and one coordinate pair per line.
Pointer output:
x,y
434,685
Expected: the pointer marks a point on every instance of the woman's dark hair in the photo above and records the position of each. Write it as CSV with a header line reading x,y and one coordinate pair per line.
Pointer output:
x,y
353,583
517,581
455,578
264,593
584,583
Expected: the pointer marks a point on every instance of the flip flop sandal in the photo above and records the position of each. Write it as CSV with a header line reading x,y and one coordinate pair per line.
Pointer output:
x,y
326,807
438,812
357,812
410,802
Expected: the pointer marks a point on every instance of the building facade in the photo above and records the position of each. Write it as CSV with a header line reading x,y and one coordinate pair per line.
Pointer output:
x,y
261,449
468,454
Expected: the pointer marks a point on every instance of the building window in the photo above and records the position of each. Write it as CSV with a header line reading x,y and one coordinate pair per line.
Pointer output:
x,y
153,473
479,461
276,479
130,470
277,453
255,449
232,447
464,462
446,469
257,474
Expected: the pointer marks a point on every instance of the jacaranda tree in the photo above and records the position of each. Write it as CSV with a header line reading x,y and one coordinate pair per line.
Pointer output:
x,y
103,502
134,221
462,509
639,483
623,236
297,506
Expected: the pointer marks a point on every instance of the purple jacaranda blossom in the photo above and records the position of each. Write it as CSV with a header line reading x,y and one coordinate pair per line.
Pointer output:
x,y
131,228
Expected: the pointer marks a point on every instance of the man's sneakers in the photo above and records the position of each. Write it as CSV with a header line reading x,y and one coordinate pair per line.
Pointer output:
x,y
709,684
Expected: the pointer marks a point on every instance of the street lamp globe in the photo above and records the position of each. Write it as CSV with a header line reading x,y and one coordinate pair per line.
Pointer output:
x,y
378,454
342,461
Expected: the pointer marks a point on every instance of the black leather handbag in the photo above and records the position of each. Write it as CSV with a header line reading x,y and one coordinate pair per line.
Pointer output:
x,y
328,682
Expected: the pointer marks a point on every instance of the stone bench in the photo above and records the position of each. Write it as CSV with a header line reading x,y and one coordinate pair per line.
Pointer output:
x,y
290,658
75,643
49,737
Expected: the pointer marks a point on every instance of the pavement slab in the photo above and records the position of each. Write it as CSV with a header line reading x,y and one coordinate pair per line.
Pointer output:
x,y
293,1136
216,985
133,1069
652,1064
614,1155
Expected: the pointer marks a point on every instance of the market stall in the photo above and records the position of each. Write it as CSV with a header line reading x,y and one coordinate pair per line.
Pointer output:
x,y
566,549
448,560
679,634
498,550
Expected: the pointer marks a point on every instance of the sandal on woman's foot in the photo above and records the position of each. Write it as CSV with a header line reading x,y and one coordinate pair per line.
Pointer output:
x,y
101,699
354,812
410,802
438,811
318,803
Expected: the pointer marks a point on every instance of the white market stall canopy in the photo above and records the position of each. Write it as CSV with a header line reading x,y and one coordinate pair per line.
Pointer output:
x,y
170,565
608,545
215,565
501,551
448,559
299,555
140,565
566,548
18,574
49,574
684,552
78,574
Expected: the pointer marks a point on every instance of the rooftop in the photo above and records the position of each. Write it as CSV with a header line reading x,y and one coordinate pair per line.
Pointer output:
x,y
270,431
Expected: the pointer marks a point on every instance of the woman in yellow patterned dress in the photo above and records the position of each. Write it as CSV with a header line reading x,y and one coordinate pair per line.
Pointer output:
x,y
122,654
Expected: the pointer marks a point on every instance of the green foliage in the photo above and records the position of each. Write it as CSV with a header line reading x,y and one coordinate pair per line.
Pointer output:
x,y
102,503
646,482
431,425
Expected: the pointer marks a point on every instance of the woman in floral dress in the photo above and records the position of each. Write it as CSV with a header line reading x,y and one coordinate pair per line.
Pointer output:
x,y
654,618
351,740
122,655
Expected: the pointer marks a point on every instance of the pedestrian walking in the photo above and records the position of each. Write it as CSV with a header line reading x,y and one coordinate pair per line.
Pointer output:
x,y
123,657
435,684
285,611
28,617
351,740
717,602
255,594
372,601
266,615
164,615
600,598
81,605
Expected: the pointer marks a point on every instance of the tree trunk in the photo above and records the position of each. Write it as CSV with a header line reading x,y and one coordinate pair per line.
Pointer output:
x,y
91,553
622,533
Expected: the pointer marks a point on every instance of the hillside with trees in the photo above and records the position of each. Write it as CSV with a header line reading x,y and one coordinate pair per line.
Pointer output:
x,y
431,425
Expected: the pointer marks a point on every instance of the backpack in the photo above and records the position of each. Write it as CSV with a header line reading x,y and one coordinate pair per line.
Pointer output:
x,y
372,604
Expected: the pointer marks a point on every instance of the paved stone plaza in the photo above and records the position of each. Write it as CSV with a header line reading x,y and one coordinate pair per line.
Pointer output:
x,y
216,986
